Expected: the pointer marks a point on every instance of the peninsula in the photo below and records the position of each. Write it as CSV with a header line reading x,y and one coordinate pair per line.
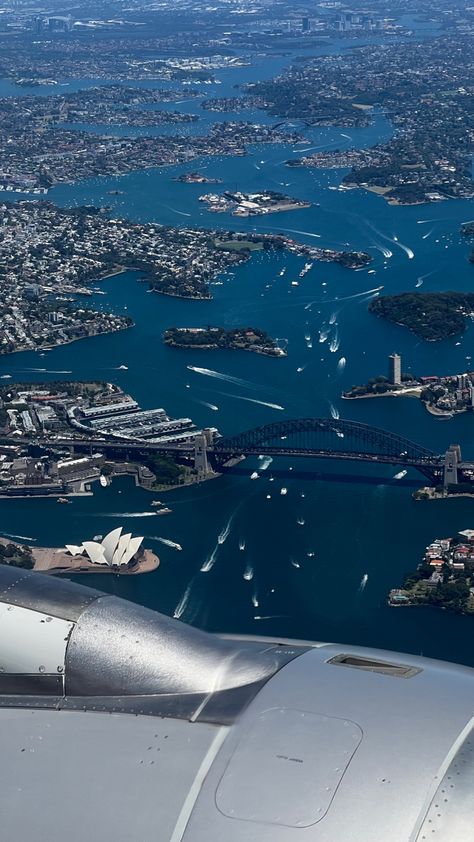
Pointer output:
x,y
431,315
211,338
442,395
59,560
444,578
251,204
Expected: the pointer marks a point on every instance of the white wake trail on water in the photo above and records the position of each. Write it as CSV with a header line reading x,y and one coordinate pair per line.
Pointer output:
x,y
125,514
374,291
341,364
334,411
20,537
253,400
183,603
209,405
228,378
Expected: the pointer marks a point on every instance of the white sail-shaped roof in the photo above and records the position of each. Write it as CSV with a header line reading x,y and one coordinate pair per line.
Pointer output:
x,y
121,547
74,549
132,548
95,551
110,542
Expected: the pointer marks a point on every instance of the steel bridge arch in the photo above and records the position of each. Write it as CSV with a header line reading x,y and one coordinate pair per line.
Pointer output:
x,y
387,443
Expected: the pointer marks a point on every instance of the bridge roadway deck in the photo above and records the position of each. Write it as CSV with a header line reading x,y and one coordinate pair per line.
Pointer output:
x,y
379,458
221,454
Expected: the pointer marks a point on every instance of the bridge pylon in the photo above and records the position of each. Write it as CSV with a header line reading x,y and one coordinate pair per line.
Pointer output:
x,y
452,461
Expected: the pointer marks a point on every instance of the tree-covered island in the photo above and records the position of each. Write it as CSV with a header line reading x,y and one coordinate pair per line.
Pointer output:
x,y
212,338
431,315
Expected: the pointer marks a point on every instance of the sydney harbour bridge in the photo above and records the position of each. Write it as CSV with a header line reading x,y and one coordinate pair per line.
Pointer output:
x,y
317,438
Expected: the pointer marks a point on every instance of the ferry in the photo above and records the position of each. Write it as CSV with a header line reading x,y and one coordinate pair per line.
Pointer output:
x,y
283,491
62,500
164,511
103,481
401,474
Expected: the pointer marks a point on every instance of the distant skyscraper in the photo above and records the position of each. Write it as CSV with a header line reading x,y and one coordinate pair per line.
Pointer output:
x,y
395,369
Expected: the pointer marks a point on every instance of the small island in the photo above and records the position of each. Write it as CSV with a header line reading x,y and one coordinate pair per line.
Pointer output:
x,y
196,178
251,204
444,578
211,338
431,315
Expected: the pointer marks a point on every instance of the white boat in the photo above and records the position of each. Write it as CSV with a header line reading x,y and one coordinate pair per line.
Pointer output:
x,y
310,554
156,503
248,573
123,368
269,496
283,491
300,521
254,475
299,369
103,481
401,474
242,544
295,283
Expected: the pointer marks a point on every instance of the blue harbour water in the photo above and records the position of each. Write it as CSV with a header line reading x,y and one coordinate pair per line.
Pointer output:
x,y
306,579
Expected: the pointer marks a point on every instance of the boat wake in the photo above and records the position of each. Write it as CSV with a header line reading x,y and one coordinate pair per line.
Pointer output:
x,y
295,563
183,603
20,537
168,542
224,533
341,364
334,344
248,573
210,561
209,405
255,599
266,461
425,236
253,400
125,514
368,292
228,378
242,544
334,412
363,582
324,333
271,617
420,280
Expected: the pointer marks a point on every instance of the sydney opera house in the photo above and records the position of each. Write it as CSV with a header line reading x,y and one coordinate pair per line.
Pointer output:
x,y
115,550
